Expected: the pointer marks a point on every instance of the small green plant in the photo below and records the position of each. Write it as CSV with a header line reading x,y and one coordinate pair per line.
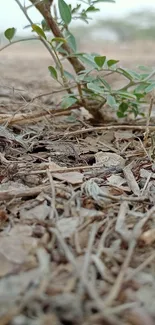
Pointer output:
x,y
84,87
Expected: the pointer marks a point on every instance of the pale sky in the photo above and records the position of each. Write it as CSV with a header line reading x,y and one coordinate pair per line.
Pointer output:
x,y
11,16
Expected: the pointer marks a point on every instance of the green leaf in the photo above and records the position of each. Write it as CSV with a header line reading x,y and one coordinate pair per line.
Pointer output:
x,y
53,72
76,9
85,76
68,75
123,107
105,83
10,33
125,73
96,89
68,101
92,9
61,50
150,88
143,76
99,60
58,39
111,101
133,74
126,95
112,62
120,114
88,59
65,12
144,68
141,88
88,78
38,30
134,109
44,25
139,95
71,40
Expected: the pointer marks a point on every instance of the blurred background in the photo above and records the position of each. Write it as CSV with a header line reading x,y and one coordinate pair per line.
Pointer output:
x,y
116,25
124,31
122,21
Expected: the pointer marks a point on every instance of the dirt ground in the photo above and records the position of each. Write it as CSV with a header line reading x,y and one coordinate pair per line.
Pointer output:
x,y
77,214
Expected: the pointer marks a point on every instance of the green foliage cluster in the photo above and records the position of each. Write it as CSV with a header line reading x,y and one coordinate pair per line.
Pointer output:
x,y
88,85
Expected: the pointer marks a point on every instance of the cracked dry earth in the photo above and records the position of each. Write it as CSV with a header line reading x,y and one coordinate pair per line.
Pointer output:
x,y
77,214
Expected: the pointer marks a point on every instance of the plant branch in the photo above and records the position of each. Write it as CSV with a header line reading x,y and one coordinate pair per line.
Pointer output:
x,y
61,69
135,83
31,22
18,41
28,7
44,9
56,91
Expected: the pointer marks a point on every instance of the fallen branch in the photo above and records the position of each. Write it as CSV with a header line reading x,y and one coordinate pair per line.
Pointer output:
x,y
108,127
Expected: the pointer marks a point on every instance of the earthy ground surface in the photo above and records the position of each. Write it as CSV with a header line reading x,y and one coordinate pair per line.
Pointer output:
x,y
77,215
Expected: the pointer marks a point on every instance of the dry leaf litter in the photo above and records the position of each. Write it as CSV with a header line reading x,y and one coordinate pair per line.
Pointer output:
x,y
77,221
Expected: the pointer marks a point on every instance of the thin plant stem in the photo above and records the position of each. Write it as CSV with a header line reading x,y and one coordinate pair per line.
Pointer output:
x,y
41,38
18,41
